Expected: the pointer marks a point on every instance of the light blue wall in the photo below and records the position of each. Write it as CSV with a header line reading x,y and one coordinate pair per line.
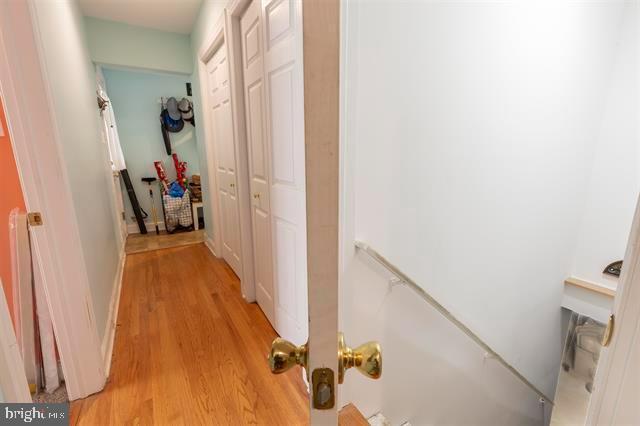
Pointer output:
x,y
114,43
72,79
134,95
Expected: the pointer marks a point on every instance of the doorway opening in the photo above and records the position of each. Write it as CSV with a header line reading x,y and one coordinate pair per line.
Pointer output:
x,y
150,132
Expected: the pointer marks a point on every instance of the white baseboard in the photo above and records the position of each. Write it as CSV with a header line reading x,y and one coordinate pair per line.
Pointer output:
x,y
210,245
132,228
110,328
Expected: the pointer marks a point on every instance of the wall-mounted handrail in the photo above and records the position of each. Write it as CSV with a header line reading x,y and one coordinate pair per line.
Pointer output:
x,y
408,282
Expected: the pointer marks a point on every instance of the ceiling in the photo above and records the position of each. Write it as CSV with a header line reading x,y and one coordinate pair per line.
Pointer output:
x,y
177,16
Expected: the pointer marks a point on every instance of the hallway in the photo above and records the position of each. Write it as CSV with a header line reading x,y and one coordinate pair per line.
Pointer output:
x,y
190,351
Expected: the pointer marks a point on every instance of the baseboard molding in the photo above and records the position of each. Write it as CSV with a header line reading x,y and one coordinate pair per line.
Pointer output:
x,y
110,329
132,228
211,245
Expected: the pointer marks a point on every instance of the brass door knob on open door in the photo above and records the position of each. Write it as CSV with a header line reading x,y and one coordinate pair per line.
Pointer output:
x,y
285,355
367,358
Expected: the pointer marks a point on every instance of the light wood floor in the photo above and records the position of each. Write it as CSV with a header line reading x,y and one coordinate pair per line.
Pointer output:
x,y
190,351
138,243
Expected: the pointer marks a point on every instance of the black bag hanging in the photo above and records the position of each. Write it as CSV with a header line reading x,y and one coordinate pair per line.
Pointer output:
x,y
137,211
165,134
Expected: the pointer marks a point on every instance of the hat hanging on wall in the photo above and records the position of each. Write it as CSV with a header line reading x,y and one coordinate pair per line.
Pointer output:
x,y
170,121
170,124
186,110
171,116
172,108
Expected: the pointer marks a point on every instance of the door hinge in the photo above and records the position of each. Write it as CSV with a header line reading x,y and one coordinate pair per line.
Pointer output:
x,y
34,218
123,216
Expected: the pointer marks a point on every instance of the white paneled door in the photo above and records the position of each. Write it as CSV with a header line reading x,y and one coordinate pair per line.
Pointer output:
x,y
220,108
258,156
284,95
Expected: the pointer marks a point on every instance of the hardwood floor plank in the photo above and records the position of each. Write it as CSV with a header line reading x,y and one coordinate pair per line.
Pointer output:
x,y
139,243
189,350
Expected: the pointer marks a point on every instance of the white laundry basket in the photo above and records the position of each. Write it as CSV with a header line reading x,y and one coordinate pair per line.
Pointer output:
x,y
178,215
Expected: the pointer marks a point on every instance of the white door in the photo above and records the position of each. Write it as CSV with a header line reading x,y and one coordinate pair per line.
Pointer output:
x,y
258,153
109,132
307,186
117,193
616,393
321,112
617,387
120,204
282,31
220,104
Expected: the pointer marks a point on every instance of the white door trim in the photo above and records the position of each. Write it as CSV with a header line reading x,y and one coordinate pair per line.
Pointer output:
x,y
221,39
613,400
45,185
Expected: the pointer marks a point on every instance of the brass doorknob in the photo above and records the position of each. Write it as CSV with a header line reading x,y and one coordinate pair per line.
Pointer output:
x,y
367,358
285,355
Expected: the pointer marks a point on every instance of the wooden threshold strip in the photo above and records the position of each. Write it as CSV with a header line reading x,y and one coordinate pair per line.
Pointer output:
x,y
597,288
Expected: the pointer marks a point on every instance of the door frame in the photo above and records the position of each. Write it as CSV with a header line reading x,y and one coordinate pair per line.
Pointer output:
x,y
616,368
56,244
221,39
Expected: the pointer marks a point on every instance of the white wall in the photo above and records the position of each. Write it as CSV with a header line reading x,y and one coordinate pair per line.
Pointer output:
x,y
432,372
615,174
73,86
469,132
210,13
